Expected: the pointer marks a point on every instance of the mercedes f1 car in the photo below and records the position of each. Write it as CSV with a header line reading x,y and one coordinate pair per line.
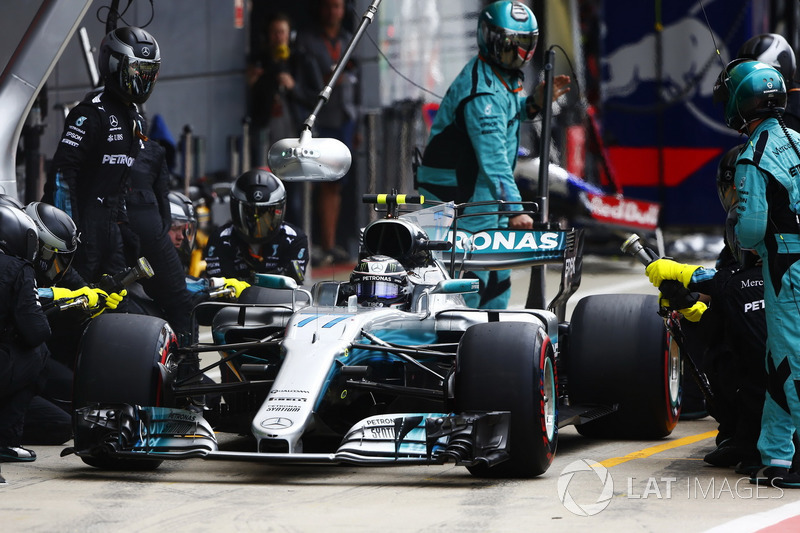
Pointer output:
x,y
315,377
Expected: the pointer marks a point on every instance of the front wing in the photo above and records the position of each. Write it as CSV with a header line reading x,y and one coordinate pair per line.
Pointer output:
x,y
156,433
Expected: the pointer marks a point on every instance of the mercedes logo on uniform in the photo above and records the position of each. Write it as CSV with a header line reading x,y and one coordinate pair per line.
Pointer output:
x,y
276,423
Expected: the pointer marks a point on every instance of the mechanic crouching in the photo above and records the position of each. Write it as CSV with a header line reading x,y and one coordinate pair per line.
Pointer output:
x,y
24,331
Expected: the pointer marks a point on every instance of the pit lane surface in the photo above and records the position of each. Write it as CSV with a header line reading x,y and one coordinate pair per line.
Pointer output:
x,y
603,485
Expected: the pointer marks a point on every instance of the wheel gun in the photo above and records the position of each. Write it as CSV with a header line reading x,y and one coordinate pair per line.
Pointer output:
x,y
109,284
679,298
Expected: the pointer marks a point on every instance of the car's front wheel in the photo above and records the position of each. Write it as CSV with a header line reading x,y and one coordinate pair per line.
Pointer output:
x,y
510,366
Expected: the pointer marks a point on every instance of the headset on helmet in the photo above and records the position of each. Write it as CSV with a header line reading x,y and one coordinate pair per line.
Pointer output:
x,y
726,170
18,235
129,61
258,199
58,239
507,34
182,214
380,281
749,90
772,49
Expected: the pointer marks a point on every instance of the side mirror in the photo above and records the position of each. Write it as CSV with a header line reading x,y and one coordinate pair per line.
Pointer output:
x,y
275,281
456,286
309,159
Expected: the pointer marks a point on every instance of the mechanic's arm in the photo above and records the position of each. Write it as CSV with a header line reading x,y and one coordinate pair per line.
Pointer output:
x,y
752,209
29,319
486,126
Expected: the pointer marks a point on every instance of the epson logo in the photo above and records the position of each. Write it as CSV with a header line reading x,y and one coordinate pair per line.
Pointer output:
x,y
117,159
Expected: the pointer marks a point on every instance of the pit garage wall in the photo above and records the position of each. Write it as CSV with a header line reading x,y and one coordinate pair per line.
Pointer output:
x,y
663,132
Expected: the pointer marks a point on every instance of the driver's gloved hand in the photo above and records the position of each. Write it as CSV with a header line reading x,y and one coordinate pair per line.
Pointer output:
x,y
663,269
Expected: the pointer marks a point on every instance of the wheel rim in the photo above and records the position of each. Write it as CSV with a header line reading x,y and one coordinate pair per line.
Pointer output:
x,y
549,398
674,372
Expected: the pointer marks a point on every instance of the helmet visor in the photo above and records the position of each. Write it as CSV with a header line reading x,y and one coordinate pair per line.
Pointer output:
x,y
259,223
54,263
383,290
512,50
138,76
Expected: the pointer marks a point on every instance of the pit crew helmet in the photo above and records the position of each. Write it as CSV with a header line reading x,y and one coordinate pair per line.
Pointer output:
x,y
18,234
726,188
258,199
507,34
58,239
129,61
749,90
182,214
772,49
380,281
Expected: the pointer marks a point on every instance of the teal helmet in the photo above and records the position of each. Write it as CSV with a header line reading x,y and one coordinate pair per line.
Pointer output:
x,y
749,90
507,34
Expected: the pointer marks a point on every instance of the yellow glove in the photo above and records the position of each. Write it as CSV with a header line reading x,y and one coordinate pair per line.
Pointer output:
x,y
237,285
92,295
662,269
695,312
111,300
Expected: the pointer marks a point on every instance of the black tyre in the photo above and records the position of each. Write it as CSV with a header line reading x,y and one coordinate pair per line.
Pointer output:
x,y
509,366
118,363
619,353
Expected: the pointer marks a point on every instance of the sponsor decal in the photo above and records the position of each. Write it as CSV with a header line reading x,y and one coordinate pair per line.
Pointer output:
x,y
624,212
276,423
113,121
117,159
80,121
508,241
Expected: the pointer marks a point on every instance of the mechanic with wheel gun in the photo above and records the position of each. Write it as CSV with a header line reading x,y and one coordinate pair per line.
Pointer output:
x,y
49,417
472,149
732,333
754,96
258,239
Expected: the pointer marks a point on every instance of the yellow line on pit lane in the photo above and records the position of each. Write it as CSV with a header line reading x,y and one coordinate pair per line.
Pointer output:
x,y
647,452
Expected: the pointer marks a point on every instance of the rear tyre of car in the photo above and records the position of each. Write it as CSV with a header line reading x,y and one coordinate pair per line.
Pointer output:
x,y
118,363
510,366
619,354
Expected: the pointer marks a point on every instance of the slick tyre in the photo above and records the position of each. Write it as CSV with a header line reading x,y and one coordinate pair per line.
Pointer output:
x,y
510,366
619,354
118,362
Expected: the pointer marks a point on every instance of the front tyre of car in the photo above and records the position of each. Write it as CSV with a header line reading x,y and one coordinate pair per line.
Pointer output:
x,y
510,366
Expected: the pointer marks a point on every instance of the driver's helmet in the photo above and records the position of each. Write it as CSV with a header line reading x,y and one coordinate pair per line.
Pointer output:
x,y
749,90
258,199
18,234
772,49
58,239
380,281
182,216
507,34
129,61
726,170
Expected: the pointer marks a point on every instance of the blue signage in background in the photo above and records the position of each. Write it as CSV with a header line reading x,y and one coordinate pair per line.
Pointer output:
x,y
663,132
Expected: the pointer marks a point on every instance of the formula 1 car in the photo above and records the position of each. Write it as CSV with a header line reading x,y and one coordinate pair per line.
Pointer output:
x,y
317,378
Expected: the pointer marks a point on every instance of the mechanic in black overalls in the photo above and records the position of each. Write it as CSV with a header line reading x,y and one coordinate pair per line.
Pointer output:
x,y
150,219
23,331
101,139
257,240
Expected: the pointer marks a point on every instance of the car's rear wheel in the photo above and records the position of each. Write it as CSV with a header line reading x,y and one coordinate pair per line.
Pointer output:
x,y
619,354
118,362
510,366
